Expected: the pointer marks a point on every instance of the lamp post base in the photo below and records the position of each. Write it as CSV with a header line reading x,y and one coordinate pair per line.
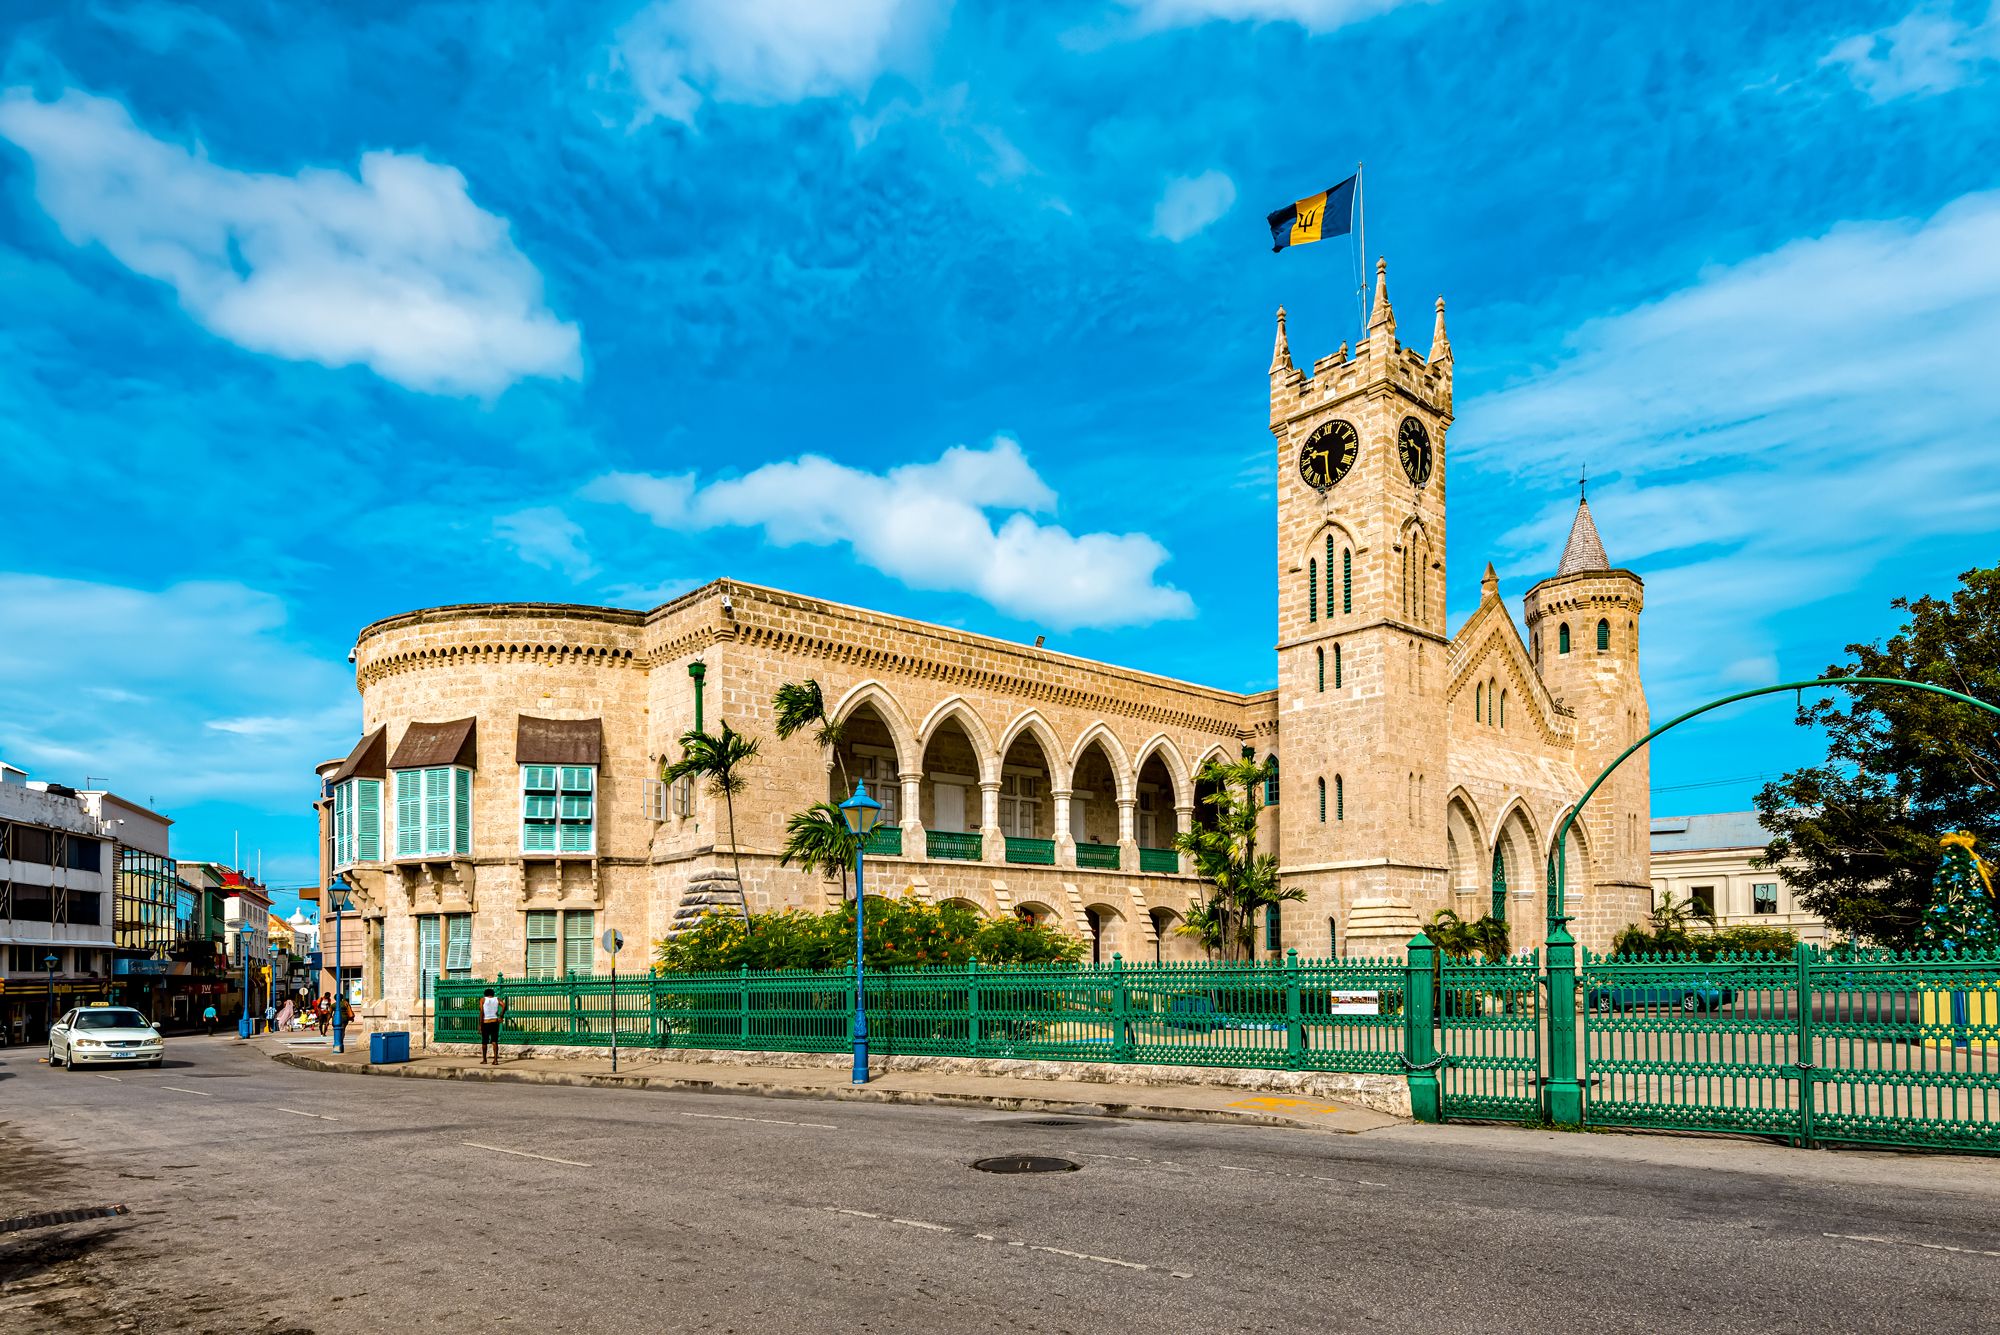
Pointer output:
x,y
243,1027
339,1037
861,1061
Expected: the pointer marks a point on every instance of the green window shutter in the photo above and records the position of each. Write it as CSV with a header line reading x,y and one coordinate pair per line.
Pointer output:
x,y
461,822
437,809
343,824
575,836
538,778
1336,667
1273,930
1271,781
1346,581
1322,801
365,821
543,959
578,779
1562,638
458,945
1329,574
427,954
538,836
1339,798
1312,589
1499,883
409,812
1603,636
578,929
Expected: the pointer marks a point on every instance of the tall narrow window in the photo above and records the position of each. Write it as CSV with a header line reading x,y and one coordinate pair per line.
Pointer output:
x,y
1273,929
1603,636
543,959
1322,801
1332,939
1503,709
458,945
433,812
1320,656
1271,781
1336,667
578,928
430,954
1339,798
558,808
357,822
1346,579
1329,575
1406,579
1562,638
1499,908
1312,589
1479,702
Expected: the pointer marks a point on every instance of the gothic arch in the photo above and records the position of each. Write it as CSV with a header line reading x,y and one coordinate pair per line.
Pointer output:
x,y
1122,769
1045,736
909,757
1316,545
1518,838
1464,845
1576,872
955,707
1215,752
1170,758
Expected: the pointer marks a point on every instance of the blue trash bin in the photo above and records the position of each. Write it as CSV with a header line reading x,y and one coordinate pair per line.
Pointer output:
x,y
388,1045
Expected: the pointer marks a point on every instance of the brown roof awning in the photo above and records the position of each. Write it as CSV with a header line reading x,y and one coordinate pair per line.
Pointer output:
x,y
559,741
365,760
427,744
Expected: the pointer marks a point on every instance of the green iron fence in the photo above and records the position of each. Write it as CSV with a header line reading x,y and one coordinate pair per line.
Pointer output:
x,y
1489,1027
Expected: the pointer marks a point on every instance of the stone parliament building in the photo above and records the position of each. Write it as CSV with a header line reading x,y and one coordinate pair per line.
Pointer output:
x,y
502,806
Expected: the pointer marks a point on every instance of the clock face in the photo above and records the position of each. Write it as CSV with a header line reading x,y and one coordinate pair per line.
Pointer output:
x,y
1327,454
1413,443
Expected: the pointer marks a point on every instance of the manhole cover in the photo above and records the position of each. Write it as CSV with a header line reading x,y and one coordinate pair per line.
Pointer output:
x,y
1050,1121
1025,1163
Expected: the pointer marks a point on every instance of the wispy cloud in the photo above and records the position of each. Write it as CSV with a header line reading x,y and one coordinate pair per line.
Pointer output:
x,y
1313,15
1929,50
394,268
676,54
931,526
543,535
1190,203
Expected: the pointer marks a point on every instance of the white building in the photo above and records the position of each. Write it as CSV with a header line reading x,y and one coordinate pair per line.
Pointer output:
x,y
56,868
1705,860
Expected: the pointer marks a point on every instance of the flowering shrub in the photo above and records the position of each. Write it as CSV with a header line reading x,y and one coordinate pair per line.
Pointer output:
x,y
903,933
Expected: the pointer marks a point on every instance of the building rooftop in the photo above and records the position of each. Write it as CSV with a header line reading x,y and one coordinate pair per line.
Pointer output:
x,y
1717,829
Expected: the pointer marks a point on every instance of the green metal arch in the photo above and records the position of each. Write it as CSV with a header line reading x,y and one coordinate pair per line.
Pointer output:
x,y
1557,917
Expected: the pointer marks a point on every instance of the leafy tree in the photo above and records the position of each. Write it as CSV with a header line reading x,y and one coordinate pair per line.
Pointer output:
x,y
1903,768
719,758
1241,879
818,840
798,705
1462,939
903,933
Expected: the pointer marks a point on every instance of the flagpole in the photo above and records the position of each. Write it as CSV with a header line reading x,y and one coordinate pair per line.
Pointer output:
x,y
1361,239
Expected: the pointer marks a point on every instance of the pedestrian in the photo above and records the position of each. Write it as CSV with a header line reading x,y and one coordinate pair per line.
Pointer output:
x,y
323,1015
270,1016
491,1011
285,1014
208,1018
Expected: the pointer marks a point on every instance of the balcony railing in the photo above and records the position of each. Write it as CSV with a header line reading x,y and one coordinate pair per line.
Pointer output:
x,y
952,844
1163,860
1035,852
885,842
1102,857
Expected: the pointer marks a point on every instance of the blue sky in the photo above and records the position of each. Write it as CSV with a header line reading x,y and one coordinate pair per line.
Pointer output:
x,y
314,314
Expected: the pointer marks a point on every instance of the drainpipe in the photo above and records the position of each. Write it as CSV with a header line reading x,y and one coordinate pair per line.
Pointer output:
x,y
697,670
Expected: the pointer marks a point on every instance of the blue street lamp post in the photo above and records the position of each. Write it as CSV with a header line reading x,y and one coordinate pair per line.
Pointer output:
x,y
244,1026
49,962
339,988
860,812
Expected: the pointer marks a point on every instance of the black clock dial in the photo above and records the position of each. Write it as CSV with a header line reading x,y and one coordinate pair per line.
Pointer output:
x,y
1413,443
1327,454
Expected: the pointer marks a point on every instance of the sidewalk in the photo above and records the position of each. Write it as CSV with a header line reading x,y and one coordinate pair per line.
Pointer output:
x,y
1186,1103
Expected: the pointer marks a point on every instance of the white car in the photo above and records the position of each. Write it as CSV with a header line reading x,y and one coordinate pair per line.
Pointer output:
x,y
92,1034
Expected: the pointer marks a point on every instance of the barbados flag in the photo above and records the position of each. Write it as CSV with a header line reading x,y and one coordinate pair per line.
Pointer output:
x,y
1328,213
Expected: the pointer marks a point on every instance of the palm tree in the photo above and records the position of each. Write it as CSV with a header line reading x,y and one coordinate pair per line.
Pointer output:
x,y
1225,854
720,758
818,840
801,704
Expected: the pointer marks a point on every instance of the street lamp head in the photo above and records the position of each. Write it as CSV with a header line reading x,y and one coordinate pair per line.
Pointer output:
x,y
861,811
50,961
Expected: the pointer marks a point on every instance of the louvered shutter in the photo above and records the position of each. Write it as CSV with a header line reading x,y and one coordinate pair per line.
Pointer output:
x,y
437,810
577,933
458,945
542,956
365,820
461,823
409,812
427,954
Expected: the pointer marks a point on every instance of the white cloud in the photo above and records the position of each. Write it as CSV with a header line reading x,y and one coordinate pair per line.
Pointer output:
x,y
1315,16
189,693
394,268
543,535
1778,430
675,54
1190,203
928,525
1928,50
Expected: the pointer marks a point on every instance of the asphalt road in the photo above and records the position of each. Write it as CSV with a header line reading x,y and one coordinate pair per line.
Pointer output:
x,y
269,1199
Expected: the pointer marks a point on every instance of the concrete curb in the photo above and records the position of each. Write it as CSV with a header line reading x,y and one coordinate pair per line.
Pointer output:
x,y
841,1093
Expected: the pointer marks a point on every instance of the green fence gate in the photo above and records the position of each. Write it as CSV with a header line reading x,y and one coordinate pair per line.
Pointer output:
x,y
1489,1038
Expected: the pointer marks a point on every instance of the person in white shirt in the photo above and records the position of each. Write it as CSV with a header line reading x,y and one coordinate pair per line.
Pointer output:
x,y
491,1009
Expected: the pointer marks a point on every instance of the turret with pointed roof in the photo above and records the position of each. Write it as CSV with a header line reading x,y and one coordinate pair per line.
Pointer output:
x,y
1585,550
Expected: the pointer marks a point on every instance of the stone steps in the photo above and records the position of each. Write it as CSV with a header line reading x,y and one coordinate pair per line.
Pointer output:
x,y
707,892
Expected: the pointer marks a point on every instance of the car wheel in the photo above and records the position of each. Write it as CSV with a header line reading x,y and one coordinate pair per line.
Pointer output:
x,y
1691,1003
1602,1006
69,1063
53,1059
156,1062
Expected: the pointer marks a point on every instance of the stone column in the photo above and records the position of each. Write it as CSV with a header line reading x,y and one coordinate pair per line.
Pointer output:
x,y
1128,840
1065,844
994,843
912,821
1184,821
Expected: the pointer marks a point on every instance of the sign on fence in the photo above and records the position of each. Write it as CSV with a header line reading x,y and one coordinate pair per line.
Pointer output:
x,y
1354,1003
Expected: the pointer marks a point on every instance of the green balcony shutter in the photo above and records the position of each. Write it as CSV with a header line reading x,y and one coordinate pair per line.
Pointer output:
x,y
538,778
578,930
543,960
428,958
365,820
437,810
458,946
461,824
578,779
409,812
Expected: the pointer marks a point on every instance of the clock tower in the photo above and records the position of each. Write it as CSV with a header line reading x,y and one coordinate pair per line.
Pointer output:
x,y
1361,626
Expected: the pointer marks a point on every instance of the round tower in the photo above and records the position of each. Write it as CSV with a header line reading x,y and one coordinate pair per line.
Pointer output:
x,y
1583,631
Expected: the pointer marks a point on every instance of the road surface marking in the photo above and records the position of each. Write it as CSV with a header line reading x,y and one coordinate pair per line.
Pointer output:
x,y
1272,1103
181,1089
929,1227
296,1113
767,1121
501,1149
101,1076
1899,1242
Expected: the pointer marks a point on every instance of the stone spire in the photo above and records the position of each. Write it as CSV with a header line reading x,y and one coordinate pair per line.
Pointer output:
x,y
1440,345
1585,550
1489,584
1381,317
1281,351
